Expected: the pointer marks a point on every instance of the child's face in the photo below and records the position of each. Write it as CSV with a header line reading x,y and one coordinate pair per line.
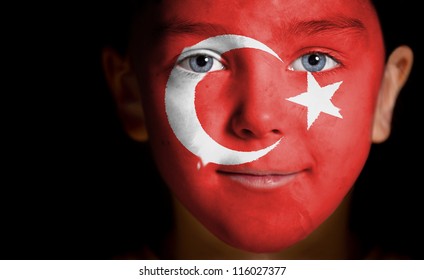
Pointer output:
x,y
213,104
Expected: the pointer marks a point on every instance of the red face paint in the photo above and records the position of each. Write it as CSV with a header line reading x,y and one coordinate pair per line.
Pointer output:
x,y
244,104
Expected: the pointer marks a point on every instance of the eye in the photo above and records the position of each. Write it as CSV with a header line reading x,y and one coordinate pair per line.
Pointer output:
x,y
314,62
201,62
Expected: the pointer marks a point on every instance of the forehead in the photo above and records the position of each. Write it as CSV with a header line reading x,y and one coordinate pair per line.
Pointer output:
x,y
266,16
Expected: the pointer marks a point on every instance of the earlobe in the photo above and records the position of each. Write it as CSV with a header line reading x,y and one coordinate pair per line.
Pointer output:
x,y
395,76
123,85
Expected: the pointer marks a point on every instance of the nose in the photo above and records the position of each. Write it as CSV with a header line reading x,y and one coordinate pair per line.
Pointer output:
x,y
255,119
259,111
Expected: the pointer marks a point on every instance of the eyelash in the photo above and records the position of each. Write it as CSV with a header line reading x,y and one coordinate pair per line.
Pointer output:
x,y
187,61
329,62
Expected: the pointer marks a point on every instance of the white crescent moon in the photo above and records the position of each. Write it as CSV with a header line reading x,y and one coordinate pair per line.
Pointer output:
x,y
181,112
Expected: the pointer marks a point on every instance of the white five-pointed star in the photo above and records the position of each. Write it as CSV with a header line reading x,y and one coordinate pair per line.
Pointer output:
x,y
317,99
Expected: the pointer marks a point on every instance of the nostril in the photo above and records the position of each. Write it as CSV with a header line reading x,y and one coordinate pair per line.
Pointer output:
x,y
247,132
276,131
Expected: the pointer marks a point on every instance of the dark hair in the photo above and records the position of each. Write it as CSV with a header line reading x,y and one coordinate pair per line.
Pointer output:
x,y
117,18
397,22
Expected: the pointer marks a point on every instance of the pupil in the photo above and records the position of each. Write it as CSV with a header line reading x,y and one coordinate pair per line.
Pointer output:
x,y
313,59
202,60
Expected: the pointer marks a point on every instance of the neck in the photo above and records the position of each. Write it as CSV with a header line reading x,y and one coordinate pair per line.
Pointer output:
x,y
332,240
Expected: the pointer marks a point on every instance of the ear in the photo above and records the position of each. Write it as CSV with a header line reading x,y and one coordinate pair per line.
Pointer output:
x,y
124,87
396,73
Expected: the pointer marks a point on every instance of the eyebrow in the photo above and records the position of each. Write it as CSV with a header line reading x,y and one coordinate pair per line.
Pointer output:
x,y
339,24
332,25
179,26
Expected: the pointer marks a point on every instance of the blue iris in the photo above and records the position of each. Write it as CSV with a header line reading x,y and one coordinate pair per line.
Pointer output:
x,y
201,63
314,62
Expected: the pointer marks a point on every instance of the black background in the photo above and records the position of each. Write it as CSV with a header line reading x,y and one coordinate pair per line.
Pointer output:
x,y
74,187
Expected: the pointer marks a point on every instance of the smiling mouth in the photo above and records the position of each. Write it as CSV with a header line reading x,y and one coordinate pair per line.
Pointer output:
x,y
260,180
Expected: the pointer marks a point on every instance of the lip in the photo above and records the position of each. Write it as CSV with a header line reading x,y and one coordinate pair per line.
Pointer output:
x,y
260,180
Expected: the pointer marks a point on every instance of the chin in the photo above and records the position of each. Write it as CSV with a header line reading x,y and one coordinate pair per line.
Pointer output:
x,y
264,236
266,243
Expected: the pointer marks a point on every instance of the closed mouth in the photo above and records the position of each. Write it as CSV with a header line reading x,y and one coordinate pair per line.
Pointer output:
x,y
260,179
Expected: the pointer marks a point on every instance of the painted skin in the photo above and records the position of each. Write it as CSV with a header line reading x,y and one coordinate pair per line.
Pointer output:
x,y
277,200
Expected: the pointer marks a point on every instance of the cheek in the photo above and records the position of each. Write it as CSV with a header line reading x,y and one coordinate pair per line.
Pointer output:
x,y
178,166
341,146
215,106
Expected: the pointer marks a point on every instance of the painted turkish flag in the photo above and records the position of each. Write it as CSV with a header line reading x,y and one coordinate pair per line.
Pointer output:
x,y
260,112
